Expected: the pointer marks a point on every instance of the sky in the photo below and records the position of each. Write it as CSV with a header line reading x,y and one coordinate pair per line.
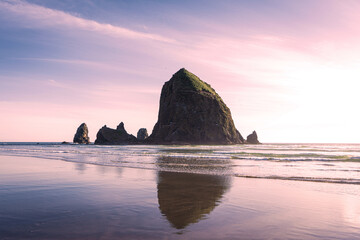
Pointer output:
x,y
288,69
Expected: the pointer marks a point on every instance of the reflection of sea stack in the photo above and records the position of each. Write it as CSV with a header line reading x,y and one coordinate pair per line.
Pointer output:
x,y
185,198
191,112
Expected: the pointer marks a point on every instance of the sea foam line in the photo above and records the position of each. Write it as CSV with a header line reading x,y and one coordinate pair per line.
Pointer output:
x,y
305,179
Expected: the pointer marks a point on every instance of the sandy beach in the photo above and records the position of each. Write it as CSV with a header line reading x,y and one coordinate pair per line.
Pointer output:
x,y
53,199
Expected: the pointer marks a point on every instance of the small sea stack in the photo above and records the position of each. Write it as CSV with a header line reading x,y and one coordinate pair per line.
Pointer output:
x,y
252,138
118,136
142,134
82,135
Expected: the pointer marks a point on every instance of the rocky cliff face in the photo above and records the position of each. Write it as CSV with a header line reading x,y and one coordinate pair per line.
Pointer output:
x,y
117,136
191,112
81,135
252,138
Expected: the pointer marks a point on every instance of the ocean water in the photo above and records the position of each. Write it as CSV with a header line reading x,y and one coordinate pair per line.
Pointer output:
x,y
268,191
331,163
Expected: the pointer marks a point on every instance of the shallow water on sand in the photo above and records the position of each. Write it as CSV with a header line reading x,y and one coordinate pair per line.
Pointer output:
x,y
47,199
333,163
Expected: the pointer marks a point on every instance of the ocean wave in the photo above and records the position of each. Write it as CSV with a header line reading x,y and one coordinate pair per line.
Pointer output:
x,y
237,160
304,179
293,157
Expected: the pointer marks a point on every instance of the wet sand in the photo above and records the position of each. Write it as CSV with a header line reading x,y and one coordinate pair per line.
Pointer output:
x,y
53,199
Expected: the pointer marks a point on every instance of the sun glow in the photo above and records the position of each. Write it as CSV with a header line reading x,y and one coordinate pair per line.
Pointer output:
x,y
324,97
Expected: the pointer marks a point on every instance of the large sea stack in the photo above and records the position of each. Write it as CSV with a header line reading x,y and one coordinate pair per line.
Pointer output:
x,y
191,112
81,135
118,136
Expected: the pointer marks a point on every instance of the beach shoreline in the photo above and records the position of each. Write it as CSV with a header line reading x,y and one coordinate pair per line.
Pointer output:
x,y
52,199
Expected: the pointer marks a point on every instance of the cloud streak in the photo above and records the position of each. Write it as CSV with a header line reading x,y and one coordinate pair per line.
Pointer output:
x,y
91,64
36,15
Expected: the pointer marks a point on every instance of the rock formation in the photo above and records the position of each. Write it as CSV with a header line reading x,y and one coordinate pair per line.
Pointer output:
x,y
142,134
252,138
81,135
121,129
191,112
117,136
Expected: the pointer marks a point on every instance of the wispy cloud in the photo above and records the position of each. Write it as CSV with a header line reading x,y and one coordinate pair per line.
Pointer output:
x,y
91,65
39,16
86,63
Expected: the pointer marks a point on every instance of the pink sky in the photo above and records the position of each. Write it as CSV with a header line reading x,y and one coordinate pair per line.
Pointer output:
x,y
287,69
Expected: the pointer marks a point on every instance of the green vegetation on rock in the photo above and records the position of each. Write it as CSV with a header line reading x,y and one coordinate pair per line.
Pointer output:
x,y
190,81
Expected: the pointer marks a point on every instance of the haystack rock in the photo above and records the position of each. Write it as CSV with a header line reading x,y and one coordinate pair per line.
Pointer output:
x,y
191,112
81,135
118,136
142,134
252,138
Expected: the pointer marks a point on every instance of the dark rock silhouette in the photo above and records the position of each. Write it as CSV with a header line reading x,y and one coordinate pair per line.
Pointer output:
x,y
118,136
252,138
186,198
191,112
121,129
142,134
81,135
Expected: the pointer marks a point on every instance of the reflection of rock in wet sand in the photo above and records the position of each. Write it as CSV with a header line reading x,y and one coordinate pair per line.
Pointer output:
x,y
186,198
194,165
80,167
